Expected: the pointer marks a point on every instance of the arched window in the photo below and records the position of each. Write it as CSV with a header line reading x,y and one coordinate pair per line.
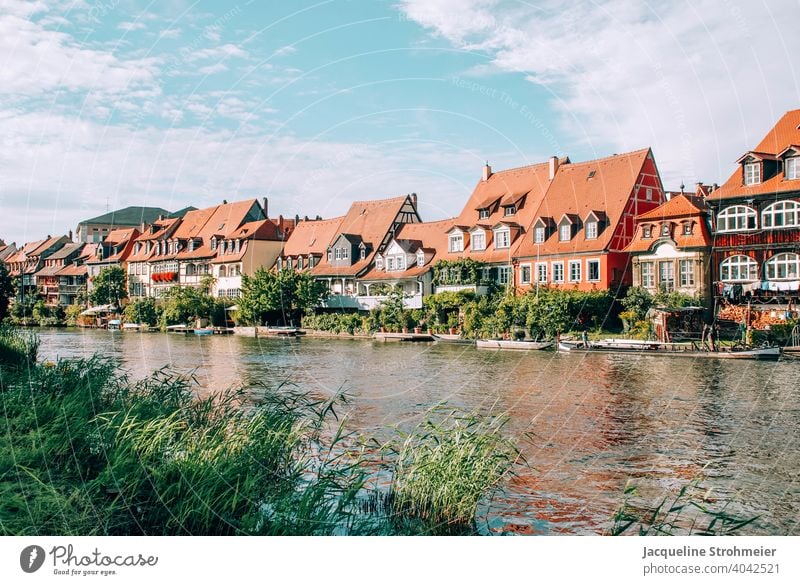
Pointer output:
x,y
738,269
736,218
223,272
781,214
783,267
190,270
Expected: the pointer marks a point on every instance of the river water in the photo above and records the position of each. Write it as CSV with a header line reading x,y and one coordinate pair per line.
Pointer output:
x,y
586,424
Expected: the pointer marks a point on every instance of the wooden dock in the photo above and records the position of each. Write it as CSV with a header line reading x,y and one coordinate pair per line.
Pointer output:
x,y
402,337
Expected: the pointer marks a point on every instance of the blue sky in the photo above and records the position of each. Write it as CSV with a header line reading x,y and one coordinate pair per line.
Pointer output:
x,y
111,103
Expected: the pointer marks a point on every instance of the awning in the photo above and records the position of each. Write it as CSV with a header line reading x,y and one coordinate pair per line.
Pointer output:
x,y
100,309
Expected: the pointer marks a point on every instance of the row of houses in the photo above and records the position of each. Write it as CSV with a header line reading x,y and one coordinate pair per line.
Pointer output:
x,y
602,224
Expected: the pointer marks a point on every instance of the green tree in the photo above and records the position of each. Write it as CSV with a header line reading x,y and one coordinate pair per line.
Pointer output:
x,y
6,290
109,287
278,295
142,311
185,304
637,302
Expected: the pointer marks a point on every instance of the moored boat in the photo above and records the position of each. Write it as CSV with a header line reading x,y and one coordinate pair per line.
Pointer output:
x,y
451,338
632,346
510,344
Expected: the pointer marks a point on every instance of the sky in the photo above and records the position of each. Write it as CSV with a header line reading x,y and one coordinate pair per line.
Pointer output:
x,y
110,103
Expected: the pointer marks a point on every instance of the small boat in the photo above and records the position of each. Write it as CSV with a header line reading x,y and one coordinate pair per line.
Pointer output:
x,y
131,327
282,330
451,338
509,344
637,347
204,331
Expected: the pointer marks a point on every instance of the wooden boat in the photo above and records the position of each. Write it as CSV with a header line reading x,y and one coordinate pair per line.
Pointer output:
x,y
386,336
636,347
509,344
281,330
451,338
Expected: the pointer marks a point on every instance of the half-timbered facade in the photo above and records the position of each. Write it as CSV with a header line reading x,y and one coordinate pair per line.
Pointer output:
x,y
756,221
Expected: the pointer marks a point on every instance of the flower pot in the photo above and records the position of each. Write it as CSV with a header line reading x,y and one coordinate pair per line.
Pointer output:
x,y
453,331
417,330
383,329
405,329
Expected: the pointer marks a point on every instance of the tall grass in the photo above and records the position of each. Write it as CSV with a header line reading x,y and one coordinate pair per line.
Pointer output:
x,y
85,450
687,512
17,348
443,469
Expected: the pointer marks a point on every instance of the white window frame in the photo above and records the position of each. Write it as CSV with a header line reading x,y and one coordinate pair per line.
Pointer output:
x,y
669,282
589,273
648,193
780,210
648,276
483,213
786,262
575,264
337,253
456,243
509,210
541,275
686,272
390,264
560,266
739,268
502,239
473,240
591,230
736,219
792,168
752,173
522,279
687,228
504,273
647,232
420,258
539,234
565,229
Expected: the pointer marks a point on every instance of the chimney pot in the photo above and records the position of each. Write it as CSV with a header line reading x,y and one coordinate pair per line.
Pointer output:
x,y
553,167
414,200
487,171
266,207
224,201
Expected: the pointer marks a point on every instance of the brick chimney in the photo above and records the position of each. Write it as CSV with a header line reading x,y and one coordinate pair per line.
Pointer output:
x,y
553,167
487,171
413,197
265,207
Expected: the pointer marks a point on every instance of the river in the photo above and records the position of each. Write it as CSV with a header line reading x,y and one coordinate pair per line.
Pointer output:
x,y
586,424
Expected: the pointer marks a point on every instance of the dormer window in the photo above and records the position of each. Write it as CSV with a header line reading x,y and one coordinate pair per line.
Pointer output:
x,y
646,231
390,264
363,254
483,213
311,261
565,232
379,262
591,230
752,173
337,254
509,210
299,262
792,169
420,258
345,254
478,240
502,238
213,244
665,230
736,218
238,244
456,243
279,263
687,229
330,254
539,234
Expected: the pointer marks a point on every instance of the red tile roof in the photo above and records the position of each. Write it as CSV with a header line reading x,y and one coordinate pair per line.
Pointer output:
x,y
604,184
784,134
370,221
677,210
312,237
430,236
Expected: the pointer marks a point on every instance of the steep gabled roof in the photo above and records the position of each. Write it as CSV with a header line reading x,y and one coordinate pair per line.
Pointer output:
x,y
66,251
679,209
679,206
431,237
371,221
579,188
783,135
312,237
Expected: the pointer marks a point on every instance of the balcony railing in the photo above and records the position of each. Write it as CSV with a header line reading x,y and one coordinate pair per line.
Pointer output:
x,y
366,303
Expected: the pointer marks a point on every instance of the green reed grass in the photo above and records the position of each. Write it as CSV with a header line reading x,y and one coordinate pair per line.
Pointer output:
x,y
690,511
444,468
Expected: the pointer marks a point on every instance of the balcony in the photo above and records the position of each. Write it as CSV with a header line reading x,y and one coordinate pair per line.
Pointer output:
x,y
366,303
70,289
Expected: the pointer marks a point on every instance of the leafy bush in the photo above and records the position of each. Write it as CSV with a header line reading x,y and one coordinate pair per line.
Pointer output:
x,y
143,311
351,323
72,314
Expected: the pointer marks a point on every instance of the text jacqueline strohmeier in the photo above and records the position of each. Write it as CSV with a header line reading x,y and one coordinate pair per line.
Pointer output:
x,y
711,551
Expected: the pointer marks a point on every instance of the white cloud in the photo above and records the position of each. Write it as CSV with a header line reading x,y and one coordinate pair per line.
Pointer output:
x,y
36,60
285,50
700,81
212,69
57,170
131,26
225,51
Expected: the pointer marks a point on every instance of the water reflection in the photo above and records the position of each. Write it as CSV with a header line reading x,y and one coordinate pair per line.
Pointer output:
x,y
586,424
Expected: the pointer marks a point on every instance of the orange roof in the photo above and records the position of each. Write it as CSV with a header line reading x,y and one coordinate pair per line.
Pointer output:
x,y
312,237
525,186
161,229
578,189
680,205
432,238
370,221
73,270
221,221
265,229
699,238
784,134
